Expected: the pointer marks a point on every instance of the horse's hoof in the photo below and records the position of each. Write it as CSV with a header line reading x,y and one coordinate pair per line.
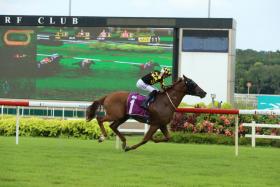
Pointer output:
x,y
124,146
127,148
101,139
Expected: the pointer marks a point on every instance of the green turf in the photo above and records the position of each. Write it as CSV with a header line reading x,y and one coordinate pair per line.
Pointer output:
x,y
73,162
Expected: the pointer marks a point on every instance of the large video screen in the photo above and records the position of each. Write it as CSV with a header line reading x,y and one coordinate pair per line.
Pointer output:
x,y
79,63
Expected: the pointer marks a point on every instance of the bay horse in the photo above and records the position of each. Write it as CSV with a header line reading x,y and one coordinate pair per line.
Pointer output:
x,y
84,65
160,111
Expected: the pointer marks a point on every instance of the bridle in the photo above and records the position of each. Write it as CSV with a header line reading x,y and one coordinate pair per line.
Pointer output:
x,y
171,101
191,84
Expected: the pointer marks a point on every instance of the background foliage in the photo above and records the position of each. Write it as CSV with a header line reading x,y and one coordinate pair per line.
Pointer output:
x,y
261,68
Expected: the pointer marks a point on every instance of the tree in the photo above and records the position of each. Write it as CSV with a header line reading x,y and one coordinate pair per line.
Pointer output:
x,y
261,68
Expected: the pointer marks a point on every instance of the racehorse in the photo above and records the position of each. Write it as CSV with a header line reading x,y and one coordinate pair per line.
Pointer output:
x,y
84,64
161,110
49,65
51,61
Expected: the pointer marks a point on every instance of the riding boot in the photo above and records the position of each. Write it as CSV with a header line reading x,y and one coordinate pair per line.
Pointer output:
x,y
151,97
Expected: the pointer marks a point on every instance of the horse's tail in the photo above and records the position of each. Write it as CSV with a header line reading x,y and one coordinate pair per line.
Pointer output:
x,y
91,110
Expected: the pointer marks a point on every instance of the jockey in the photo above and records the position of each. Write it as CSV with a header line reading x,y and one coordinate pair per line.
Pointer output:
x,y
47,60
85,63
146,82
148,64
54,56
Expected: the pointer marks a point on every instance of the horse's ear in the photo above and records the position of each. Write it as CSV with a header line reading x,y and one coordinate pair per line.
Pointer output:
x,y
184,76
179,79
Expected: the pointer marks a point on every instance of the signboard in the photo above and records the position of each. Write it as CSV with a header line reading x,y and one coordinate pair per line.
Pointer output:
x,y
268,102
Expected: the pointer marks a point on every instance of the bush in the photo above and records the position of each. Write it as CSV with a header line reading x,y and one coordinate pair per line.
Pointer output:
x,y
203,138
52,128
219,129
221,124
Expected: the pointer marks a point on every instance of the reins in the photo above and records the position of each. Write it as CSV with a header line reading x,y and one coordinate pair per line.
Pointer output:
x,y
171,101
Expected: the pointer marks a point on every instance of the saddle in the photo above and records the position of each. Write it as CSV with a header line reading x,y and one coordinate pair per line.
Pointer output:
x,y
134,109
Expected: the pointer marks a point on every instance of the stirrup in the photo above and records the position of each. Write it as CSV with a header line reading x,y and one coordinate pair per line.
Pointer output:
x,y
145,105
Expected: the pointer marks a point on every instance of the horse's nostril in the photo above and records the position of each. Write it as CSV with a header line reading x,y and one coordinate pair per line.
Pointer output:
x,y
203,94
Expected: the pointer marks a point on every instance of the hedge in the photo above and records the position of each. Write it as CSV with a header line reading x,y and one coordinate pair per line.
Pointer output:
x,y
52,127
204,138
126,47
221,124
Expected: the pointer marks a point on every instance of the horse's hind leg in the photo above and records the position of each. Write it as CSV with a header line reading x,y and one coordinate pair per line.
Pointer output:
x,y
100,121
114,126
146,138
165,132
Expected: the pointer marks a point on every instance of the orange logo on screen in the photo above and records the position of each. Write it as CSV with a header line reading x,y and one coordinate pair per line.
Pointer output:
x,y
26,33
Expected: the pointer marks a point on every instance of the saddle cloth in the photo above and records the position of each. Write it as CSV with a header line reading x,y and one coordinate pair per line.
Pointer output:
x,y
134,108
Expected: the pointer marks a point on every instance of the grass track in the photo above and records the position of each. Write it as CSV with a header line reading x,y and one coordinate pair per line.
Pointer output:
x,y
73,162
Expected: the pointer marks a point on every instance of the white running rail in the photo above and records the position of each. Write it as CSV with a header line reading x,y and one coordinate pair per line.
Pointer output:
x,y
253,136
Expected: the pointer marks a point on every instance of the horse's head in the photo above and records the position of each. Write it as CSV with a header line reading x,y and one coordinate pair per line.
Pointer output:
x,y
192,88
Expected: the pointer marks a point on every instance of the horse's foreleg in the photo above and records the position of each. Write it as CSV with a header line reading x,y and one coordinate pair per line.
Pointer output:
x,y
146,138
165,132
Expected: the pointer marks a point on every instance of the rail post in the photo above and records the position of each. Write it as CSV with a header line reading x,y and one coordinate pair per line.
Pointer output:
x,y
253,134
63,112
118,142
17,124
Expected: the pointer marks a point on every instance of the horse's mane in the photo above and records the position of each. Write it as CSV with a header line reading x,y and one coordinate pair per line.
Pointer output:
x,y
173,84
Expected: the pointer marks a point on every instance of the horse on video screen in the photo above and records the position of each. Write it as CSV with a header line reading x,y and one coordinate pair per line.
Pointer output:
x,y
49,65
118,107
148,67
84,65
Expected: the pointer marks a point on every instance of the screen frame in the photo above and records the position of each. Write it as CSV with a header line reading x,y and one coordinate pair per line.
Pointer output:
x,y
129,22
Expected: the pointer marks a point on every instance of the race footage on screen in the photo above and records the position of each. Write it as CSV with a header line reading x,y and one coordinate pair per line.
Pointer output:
x,y
75,63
